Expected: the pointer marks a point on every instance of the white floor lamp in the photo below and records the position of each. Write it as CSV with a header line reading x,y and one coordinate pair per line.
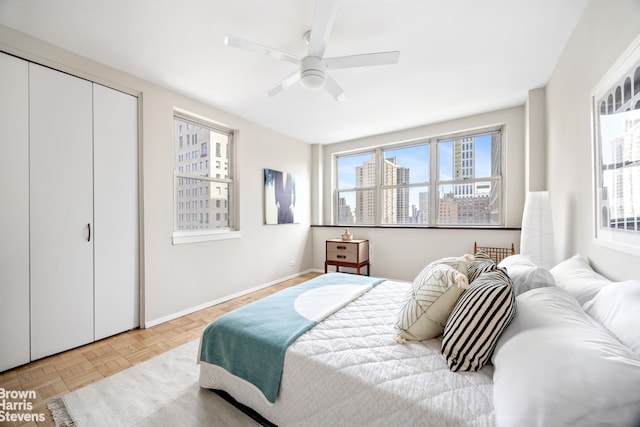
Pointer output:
x,y
536,239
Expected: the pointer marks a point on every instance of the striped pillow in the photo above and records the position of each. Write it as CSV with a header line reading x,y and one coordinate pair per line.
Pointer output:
x,y
477,320
481,255
481,263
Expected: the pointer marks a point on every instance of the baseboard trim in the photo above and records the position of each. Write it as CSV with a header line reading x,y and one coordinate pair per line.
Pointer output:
x,y
155,322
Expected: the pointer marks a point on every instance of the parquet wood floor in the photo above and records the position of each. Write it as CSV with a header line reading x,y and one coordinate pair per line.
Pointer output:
x,y
62,373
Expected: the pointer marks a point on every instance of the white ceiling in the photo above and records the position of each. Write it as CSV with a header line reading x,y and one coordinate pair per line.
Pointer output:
x,y
457,57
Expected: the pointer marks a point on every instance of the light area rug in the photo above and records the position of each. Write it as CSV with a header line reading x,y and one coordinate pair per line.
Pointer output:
x,y
162,391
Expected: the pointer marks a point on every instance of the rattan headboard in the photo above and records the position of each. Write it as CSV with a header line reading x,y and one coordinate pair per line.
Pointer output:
x,y
496,254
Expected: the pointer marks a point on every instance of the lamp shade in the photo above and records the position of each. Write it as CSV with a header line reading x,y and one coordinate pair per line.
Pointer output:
x,y
536,239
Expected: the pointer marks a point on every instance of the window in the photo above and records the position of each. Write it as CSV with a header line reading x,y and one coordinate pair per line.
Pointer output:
x,y
405,181
448,181
196,185
616,156
469,180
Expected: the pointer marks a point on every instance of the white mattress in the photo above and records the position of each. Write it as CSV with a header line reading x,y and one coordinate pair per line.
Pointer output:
x,y
349,370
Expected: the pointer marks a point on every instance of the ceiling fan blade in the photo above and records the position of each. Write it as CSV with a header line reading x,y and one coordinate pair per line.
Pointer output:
x,y
334,89
260,49
364,60
323,15
288,81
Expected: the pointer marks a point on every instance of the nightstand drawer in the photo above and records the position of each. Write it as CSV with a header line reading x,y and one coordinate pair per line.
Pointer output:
x,y
348,251
342,252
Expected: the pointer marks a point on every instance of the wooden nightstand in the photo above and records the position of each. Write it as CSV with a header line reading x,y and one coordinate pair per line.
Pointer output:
x,y
347,253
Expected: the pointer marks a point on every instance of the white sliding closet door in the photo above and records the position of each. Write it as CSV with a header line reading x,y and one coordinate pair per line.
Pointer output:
x,y
116,211
14,214
61,212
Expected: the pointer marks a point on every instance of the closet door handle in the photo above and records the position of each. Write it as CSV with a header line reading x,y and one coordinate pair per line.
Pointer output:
x,y
89,237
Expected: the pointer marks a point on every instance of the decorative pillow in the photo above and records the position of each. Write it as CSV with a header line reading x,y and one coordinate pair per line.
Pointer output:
x,y
617,308
576,276
477,320
458,263
525,274
481,263
554,365
430,301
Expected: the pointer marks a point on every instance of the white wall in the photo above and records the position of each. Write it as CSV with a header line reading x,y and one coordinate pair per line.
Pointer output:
x,y
180,277
603,33
402,253
535,141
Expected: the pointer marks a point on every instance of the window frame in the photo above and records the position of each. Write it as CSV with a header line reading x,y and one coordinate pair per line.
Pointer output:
x,y
432,185
207,234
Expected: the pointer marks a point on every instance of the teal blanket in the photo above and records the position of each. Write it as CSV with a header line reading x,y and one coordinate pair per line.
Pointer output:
x,y
250,342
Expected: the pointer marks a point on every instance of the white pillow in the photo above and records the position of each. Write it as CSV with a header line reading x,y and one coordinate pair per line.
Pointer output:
x,y
617,308
544,307
554,365
525,274
576,276
432,297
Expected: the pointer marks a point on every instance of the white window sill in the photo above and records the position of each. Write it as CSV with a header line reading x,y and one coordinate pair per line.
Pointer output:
x,y
181,237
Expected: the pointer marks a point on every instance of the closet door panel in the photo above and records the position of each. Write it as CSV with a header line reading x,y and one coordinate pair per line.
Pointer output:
x,y
116,211
61,213
14,214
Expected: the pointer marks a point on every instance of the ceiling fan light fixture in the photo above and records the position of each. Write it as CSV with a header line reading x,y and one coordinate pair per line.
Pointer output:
x,y
312,79
312,71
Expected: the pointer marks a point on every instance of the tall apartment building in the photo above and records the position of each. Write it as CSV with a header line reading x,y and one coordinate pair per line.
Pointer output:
x,y
345,212
201,153
365,199
422,216
396,200
395,206
464,166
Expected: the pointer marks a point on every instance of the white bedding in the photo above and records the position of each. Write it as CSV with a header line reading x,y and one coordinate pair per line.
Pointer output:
x,y
349,370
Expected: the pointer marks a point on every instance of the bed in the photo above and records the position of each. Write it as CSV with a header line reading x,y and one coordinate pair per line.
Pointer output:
x,y
558,359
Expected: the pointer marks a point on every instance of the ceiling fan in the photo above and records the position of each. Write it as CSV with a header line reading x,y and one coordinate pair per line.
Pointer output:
x,y
312,71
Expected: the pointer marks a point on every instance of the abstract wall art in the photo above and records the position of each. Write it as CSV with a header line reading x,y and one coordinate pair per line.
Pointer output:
x,y
279,197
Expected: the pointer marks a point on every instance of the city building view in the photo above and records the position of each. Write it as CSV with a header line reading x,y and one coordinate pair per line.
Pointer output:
x,y
468,185
202,177
619,122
